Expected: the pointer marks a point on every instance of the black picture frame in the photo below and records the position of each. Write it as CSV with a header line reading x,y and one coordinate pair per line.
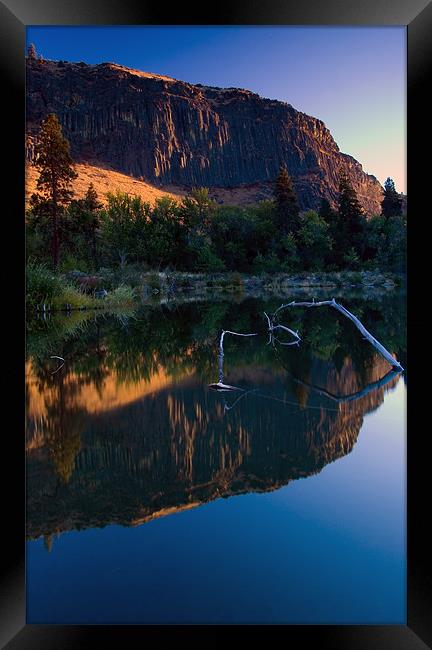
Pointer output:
x,y
416,15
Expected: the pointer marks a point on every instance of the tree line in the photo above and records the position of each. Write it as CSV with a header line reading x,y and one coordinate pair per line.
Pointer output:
x,y
197,234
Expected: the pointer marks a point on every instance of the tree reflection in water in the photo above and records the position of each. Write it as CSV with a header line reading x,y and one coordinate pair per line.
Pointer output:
x,y
127,430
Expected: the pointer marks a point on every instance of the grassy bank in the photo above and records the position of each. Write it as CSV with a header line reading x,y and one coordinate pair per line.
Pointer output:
x,y
48,291
125,287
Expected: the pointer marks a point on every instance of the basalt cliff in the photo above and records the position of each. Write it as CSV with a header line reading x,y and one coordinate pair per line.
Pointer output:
x,y
169,132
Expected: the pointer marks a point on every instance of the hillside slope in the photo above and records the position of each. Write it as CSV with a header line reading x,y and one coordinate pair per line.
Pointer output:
x,y
106,179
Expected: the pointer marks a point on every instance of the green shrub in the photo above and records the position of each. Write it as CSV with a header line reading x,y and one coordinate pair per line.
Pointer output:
x,y
76,299
123,296
269,263
71,263
206,260
130,275
351,259
108,278
41,284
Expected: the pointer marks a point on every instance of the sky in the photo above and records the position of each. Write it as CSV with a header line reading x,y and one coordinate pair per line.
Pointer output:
x,y
352,78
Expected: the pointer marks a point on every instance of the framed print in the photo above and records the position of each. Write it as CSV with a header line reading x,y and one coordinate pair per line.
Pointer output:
x,y
212,213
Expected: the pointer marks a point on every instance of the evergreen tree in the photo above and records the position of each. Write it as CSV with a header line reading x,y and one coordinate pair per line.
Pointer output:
x,y
326,212
53,160
31,51
352,222
391,205
287,208
91,199
93,206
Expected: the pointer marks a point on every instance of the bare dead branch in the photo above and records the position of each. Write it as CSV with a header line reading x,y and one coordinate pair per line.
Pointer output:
x,y
272,327
367,335
235,334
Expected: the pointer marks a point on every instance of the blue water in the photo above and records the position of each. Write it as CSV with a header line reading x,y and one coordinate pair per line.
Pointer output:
x,y
328,548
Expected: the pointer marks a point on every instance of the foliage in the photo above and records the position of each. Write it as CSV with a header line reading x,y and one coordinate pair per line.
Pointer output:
x,y
386,241
123,225
266,263
120,297
41,284
315,243
391,205
55,165
81,228
197,235
351,259
287,207
45,287
351,220
166,234
76,299
234,237
71,262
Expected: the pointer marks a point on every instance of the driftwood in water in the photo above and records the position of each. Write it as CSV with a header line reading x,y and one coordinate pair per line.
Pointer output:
x,y
235,334
342,399
220,385
367,335
337,399
272,327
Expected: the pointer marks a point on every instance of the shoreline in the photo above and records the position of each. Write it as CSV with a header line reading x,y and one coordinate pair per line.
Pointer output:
x,y
151,287
178,283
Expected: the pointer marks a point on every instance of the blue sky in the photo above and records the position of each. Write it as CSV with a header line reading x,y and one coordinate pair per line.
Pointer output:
x,y
353,78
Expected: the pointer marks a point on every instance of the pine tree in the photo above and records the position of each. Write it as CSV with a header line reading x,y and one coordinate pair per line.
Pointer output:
x,y
391,205
327,213
53,159
31,51
91,199
352,221
93,206
287,208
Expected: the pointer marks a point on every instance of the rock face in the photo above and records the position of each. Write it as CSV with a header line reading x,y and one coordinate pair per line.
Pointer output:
x,y
172,132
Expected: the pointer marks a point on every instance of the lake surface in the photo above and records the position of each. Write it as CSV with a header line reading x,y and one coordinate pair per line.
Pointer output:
x,y
152,498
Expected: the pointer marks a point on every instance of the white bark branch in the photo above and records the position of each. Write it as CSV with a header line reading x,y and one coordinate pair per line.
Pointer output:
x,y
220,385
367,335
272,327
229,332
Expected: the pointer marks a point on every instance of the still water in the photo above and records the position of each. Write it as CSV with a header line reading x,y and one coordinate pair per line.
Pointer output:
x,y
152,498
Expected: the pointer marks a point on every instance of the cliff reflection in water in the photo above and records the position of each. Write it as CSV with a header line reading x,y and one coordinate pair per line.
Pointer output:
x,y
128,430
